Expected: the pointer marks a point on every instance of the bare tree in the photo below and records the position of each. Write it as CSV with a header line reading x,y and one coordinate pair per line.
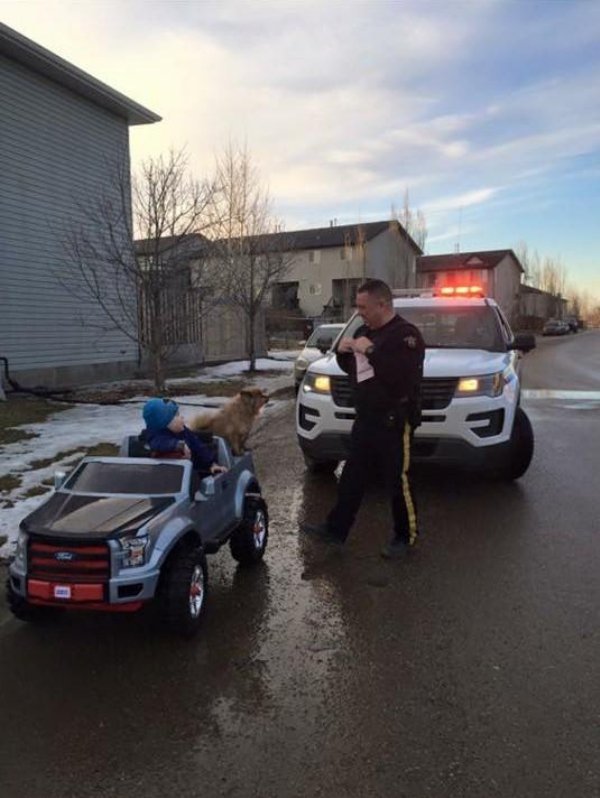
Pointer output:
x,y
131,255
249,249
413,221
414,224
553,276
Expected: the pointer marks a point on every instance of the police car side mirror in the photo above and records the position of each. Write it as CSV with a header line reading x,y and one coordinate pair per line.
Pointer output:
x,y
323,345
525,342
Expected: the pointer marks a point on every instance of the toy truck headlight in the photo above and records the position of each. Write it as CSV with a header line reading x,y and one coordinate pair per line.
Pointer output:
x,y
485,385
133,551
21,551
316,383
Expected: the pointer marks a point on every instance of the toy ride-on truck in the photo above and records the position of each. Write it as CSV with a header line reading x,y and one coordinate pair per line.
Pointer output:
x,y
119,532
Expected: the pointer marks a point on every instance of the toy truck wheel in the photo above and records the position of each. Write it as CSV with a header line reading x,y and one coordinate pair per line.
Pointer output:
x,y
249,541
314,466
30,613
183,590
520,448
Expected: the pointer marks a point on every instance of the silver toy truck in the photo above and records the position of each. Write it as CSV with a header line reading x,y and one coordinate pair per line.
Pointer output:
x,y
119,532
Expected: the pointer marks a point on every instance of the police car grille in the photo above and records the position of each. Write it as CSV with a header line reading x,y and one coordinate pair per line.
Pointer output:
x,y
437,393
341,392
68,561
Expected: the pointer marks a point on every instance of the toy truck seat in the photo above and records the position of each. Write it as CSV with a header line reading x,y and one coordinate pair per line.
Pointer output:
x,y
136,446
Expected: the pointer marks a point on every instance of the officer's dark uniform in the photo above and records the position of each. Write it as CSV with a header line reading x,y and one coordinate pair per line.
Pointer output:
x,y
387,411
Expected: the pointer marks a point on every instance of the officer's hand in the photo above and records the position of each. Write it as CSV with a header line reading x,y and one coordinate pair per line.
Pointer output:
x,y
362,344
346,345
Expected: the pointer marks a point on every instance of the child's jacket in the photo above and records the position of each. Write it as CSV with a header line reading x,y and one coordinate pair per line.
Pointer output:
x,y
166,441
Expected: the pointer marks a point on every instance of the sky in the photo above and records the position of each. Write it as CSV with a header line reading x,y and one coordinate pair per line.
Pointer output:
x,y
486,111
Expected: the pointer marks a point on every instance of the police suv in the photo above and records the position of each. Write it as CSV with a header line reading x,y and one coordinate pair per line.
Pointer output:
x,y
470,393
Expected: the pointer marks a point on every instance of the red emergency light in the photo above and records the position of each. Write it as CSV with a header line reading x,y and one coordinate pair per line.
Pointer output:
x,y
461,290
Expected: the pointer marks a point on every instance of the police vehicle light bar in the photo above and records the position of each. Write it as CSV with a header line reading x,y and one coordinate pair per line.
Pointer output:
x,y
461,290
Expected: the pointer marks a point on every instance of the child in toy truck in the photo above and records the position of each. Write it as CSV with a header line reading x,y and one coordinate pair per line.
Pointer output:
x,y
167,436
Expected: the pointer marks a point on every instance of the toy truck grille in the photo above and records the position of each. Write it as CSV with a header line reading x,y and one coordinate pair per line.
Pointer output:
x,y
68,561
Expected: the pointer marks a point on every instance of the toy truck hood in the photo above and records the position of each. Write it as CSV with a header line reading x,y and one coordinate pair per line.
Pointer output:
x,y
72,514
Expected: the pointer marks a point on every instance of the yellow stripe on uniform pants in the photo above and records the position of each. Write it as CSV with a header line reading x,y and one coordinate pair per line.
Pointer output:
x,y
410,507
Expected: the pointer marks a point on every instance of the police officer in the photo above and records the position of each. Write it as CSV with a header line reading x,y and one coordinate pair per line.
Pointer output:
x,y
385,363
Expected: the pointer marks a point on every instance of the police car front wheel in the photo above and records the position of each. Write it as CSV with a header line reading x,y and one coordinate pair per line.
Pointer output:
x,y
315,466
520,447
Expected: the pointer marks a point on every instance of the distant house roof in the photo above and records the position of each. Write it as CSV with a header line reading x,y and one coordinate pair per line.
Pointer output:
x,y
19,48
316,238
336,235
188,245
454,261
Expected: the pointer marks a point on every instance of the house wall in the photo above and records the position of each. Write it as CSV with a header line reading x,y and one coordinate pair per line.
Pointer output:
x,y
501,283
224,334
386,256
536,307
506,282
315,276
391,259
55,151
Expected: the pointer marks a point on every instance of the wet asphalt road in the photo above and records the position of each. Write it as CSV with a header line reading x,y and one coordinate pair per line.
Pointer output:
x,y
470,671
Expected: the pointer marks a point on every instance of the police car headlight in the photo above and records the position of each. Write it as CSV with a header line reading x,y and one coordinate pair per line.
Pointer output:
x,y
133,551
316,383
21,552
485,385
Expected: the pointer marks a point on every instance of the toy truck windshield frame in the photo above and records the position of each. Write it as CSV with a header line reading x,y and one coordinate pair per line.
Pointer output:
x,y
137,477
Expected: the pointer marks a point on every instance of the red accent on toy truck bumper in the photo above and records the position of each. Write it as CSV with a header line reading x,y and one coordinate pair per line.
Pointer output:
x,y
83,597
47,591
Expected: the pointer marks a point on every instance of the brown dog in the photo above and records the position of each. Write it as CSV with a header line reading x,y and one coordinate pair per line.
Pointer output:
x,y
235,419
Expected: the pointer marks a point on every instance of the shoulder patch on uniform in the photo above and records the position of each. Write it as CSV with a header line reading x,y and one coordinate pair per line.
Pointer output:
x,y
410,341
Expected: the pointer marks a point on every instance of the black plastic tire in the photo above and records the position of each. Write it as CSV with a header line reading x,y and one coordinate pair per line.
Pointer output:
x,y
520,448
183,590
320,466
249,541
30,613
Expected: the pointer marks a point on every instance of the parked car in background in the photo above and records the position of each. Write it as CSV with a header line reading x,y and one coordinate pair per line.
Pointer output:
x,y
574,323
556,327
320,341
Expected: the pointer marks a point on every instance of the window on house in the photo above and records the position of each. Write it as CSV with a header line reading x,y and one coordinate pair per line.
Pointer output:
x,y
314,256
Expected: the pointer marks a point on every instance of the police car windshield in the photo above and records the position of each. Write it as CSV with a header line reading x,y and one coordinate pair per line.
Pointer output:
x,y
451,326
325,336
162,479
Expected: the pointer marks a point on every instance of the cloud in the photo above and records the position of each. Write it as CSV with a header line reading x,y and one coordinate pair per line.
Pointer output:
x,y
466,200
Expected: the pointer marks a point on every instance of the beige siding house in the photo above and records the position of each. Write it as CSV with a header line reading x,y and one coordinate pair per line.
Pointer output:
x,y
498,272
327,264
